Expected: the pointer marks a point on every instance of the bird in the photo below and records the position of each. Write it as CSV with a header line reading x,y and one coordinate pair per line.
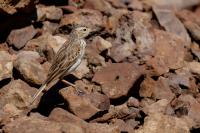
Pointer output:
x,y
67,59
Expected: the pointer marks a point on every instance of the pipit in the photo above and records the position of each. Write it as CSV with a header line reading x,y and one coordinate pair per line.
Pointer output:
x,y
67,59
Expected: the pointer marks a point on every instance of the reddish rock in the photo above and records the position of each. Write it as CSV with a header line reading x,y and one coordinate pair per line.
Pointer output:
x,y
178,4
195,50
194,29
123,126
165,57
156,89
117,79
60,115
80,105
48,12
87,17
29,67
101,5
171,23
39,125
49,27
20,37
164,124
6,65
16,92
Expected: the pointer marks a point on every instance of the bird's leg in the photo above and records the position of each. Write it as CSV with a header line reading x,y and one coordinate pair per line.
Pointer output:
x,y
79,92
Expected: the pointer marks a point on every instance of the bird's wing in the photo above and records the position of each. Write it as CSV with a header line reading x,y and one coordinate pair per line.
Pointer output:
x,y
65,58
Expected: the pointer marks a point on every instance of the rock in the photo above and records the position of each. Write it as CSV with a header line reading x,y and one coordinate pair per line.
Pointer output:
x,y
157,107
159,89
6,65
48,12
194,29
81,70
178,4
101,5
142,32
29,67
160,123
190,105
171,23
164,57
187,15
123,126
34,124
16,92
20,37
102,128
118,112
49,27
80,105
117,79
194,67
60,115
195,50
87,17
99,44
133,102
46,44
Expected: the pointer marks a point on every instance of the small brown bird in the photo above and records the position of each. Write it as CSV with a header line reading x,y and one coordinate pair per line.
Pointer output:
x,y
67,59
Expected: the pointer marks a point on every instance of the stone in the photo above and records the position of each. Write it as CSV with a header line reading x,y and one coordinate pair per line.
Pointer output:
x,y
101,5
16,92
123,126
194,29
142,32
164,57
6,65
159,89
88,17
133,102
81,70
117,79
80,105
48,12
60,115
158,107
171,23
34,124
195,50
178,4
27,63
191,106
49,27
194,67
19,37
160,123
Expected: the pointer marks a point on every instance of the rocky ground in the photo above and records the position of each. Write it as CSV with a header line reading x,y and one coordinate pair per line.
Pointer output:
x,y
140,73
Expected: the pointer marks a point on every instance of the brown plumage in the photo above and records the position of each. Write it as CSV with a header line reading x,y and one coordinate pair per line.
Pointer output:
x,y
67,59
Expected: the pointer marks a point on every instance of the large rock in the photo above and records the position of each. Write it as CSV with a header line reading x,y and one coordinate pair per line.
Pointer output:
x,y
16,92
87,17
27,63
159,89
160,123
48,12
164,57
6,65
117,79
84,105
39,125
60,115
20,37
171,23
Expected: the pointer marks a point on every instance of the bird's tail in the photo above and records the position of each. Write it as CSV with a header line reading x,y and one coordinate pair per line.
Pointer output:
x,y
38,93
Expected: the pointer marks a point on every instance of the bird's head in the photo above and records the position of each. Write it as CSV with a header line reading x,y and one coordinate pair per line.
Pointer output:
x,y
81,32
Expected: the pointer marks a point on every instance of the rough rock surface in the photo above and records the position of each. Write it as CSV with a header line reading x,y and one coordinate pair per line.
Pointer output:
x,y
6,65
117,79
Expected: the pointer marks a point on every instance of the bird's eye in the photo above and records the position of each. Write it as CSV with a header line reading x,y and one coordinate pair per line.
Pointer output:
x,y
84,29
